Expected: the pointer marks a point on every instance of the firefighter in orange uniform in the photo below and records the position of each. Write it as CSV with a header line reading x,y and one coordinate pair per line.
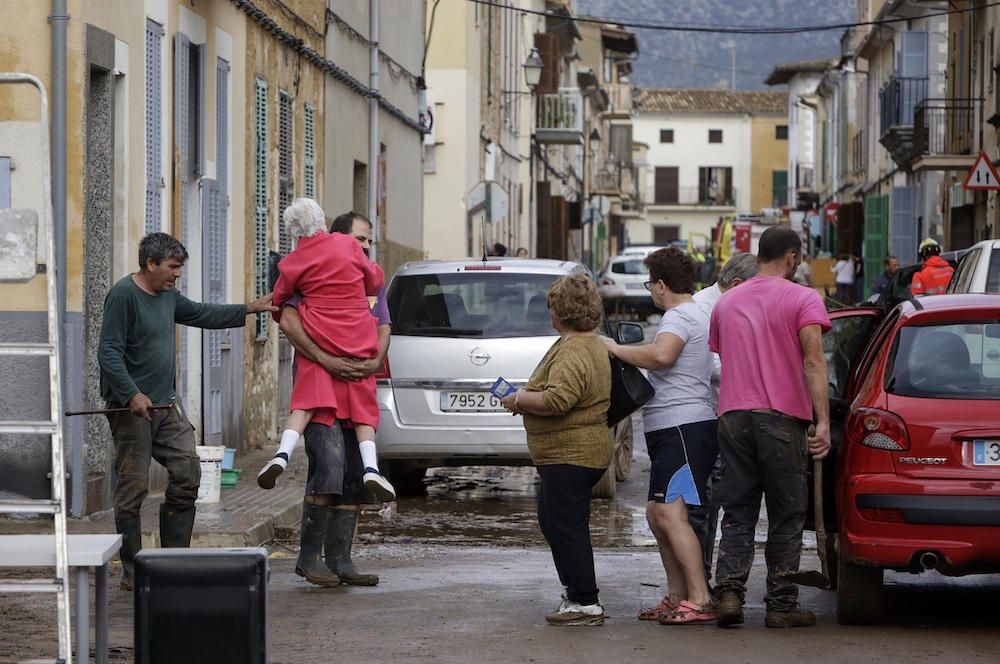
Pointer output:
x,y
934,278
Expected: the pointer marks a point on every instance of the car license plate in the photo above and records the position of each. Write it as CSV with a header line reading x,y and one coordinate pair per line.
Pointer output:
x,y
986,452
470,402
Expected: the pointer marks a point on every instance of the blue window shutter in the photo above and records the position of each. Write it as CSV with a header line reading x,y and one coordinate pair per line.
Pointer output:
x,y
913,55
260,198
154,128
222,123
903,228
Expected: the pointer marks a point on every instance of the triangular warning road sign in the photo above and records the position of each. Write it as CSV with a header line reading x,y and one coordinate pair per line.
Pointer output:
x,y
983,176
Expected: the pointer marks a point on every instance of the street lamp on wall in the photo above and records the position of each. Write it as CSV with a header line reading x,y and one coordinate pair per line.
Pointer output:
x,y
533,69
595,141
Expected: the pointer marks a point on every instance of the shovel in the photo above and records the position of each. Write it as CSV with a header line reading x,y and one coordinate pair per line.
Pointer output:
x,y
813,578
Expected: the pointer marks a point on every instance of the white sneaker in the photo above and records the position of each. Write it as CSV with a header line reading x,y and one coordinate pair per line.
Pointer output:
x,y
571,613
269,473
383,490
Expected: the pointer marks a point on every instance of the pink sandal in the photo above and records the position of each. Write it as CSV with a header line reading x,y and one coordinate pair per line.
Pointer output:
x,y
654,612
688,613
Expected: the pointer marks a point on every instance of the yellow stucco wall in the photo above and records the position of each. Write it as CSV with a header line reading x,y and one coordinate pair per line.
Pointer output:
x,y
769,155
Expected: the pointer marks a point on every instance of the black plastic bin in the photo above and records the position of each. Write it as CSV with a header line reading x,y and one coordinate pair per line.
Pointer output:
x,y
201,605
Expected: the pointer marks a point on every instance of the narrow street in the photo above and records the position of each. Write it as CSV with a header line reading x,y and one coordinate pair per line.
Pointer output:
x,y
465,575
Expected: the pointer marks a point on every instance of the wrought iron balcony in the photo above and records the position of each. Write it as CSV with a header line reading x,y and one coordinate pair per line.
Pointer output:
x,y
620,98
945,127
805,177
898,99
560,117
696,197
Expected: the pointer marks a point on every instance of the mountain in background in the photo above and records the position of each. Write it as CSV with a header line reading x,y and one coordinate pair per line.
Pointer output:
x,y
699,60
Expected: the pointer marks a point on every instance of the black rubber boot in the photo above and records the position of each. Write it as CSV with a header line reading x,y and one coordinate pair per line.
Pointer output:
x,y
176,527
312,532
130,528
339,538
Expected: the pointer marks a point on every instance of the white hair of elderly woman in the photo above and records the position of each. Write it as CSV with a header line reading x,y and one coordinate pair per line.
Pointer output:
x,y
303,218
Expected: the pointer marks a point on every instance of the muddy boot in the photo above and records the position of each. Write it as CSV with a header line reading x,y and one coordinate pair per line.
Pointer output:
x,y
339,538
175,527
130,528
312,532
730,609
795,617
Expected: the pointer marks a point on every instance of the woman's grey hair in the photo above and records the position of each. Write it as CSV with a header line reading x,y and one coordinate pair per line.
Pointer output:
x,y
740,266
158,247
303,218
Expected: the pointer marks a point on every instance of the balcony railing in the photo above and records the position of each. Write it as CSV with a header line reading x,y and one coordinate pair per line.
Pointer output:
x,y
945,126
859,152
604,181
693,196
898,98
560,117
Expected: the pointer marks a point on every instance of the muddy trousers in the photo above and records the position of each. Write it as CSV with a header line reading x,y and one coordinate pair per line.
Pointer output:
x,y
564,518
762,454
168,438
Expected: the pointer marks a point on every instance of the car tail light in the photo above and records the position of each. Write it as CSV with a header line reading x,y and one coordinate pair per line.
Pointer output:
x,y
882,514
382,375
481,267
878,429
606,282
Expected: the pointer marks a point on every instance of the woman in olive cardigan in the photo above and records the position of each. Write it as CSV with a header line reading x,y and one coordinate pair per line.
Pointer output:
x,y
565,406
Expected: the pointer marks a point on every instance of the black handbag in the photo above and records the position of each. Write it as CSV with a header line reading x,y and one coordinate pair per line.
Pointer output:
x,y
629,391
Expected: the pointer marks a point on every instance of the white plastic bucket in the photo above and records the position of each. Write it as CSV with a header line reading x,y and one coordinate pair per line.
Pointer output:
x,y
211,473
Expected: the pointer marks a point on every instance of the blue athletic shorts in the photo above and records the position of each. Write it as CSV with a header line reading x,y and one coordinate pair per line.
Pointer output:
x,y
682,459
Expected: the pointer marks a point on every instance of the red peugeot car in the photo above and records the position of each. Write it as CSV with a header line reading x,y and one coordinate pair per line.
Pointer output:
x,y
915,410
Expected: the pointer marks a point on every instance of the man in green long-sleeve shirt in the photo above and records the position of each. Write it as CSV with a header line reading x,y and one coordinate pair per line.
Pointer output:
x,y
136,355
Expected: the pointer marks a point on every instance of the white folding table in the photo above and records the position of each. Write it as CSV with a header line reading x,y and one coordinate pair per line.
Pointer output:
x,y
85,551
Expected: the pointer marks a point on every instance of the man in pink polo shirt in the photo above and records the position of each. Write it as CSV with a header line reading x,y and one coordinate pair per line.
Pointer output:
x,y
769,336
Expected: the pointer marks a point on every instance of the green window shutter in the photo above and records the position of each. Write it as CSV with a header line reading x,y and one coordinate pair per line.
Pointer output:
x,y
309,186
286,183
260,199
779,188
876,237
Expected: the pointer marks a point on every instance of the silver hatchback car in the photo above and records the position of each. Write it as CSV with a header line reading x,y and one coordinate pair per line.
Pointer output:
x,y
457,326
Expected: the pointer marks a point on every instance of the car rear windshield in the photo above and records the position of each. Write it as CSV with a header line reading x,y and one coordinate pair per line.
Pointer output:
x,y
482,304
629,267
957,361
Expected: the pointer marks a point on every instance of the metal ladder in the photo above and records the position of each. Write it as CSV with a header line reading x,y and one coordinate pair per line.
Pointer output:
x,y
56,505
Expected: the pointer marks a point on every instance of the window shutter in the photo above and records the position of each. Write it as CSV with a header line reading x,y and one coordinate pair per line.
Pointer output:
x,y
154,130
913,55
903,229
875,248
309,186
260,198
665,190
286,190
548,51
727,189
779,188
214,205
182,97
222,124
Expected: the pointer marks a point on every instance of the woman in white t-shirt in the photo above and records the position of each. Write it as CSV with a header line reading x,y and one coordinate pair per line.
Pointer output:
x,y
680,427
844,269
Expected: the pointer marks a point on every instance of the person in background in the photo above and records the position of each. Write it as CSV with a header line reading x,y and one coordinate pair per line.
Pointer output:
x,y
844,269
680,429
804,273
499,250
565,410
767,399
522,252
704,518
934,278
882,280
859,279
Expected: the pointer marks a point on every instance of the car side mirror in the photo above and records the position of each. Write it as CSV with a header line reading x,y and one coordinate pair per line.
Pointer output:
x,y
630,333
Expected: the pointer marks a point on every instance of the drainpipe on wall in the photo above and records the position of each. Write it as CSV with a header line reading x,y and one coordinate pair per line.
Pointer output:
x,y
373,144
58,19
